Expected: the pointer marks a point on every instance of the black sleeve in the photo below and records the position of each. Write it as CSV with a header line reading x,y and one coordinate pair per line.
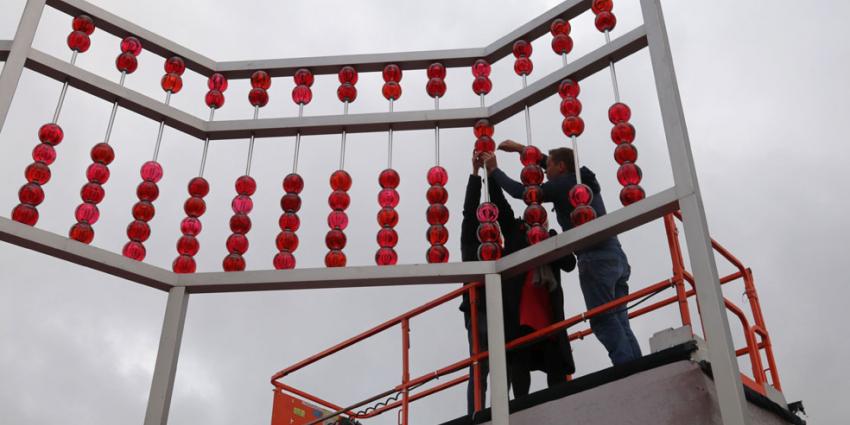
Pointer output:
x,y
469,225
513,187
506,213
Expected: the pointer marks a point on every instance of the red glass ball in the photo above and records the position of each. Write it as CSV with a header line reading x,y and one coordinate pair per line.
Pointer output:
x,y
481,68
625,153
436,87
523,66
26,214
572,126
144,211
387,237
437,214
437,254
562,44
522,48
44,153
481,85
284,261
131,45
437,195
191,226
335,239
623,132
388,217
340,180
438,176
237,243
560,26
485,144
126,62
531,175
258,97
488,232
582,215
214,99
386,257
138,231
535,214
391,90
147,191
391,72
487,212
171,83
245,185
335,259
51,134
569,88
530,155
293,183
184,264
151,171
482,127
347,74
233,263
389,179
599,6
302,94
81,232
31,194
436,70
289,221
175,65
489,251
290,202
388,198
102,153
92,193
37,173
134,251
629,174
631,194
287,240
338,220
339,200
217,82
580,194
188,245
619,112
303,77
605,21
437,235
261,80
532,194
240,223
83,23
346,93
242,204
536,234
79,41
199,187
195,207
570,107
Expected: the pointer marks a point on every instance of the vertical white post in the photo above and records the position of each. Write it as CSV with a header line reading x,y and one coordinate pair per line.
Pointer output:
x,y
496,347
721,351
165,369
18,55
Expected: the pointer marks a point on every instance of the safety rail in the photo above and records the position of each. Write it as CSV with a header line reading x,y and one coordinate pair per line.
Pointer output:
x,y
680,277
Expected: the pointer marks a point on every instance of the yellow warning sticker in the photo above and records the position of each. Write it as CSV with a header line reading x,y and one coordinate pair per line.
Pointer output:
x,y
299,412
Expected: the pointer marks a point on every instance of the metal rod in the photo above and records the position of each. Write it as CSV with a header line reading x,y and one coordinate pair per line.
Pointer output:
x,y
114,111
390,141
575,160
161,128
613,72
63,92
251,143
564,58
342,142
482,100
486,187
297,141
206,147
437,134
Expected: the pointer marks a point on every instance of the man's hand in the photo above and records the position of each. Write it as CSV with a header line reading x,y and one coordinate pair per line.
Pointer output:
x,y
477,163
489,161
510,146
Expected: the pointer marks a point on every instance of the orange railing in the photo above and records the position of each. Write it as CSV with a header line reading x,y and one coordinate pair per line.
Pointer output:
x,y
756,336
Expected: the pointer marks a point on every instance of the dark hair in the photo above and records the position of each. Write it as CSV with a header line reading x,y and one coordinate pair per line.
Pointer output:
x,y
564,155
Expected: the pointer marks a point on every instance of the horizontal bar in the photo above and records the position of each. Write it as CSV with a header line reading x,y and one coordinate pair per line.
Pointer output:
x,y
5,48
85,255
536,27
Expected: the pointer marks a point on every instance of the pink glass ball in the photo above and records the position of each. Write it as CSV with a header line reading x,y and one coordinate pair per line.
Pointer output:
x,y
437,235
290,202
25,214
386,257
37,173
436,70
83,23
389,179
391,90
188,245
569,88
217,82
387,217
138,231
258,97
619,112
214,99
102,153
570,107
147,191
45,153
346,93
240,223
629,174
582,215
245,185
388,198
560,26
481,68
487,212
233,263
144,211
482,127
530,155
79,41
242,204
134,251
195,207
488,232
599,6
287,240
261,80
523,66
237,243
437,214
302,94
338,220
532,194
536,234
335,239
438,175
535,214
580,194
96,173
437,195
151,171
184,264
31,194
335,259
522,48
485,144
51,134
191,226
482,85
605,21
562,44
289,221
531,175
623,132
171,83
81,232
489,251
303,77
387,237
631,194
339,200
199,187
347,74
625,153
284,261
131,45
437,254
436,87
175,65
392,72
293,183
340,180
126,62
92,193
572,126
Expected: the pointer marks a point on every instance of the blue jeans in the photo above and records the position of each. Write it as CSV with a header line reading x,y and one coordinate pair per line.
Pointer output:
x,y
604,277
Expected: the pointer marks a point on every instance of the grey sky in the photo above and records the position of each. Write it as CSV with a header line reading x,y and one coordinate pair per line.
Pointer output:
x,y
764,89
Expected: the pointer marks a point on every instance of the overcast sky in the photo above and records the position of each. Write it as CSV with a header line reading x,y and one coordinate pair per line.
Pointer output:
x,y
764,87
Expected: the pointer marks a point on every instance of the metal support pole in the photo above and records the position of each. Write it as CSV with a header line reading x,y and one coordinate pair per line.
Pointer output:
x,y
14,66
165,369
721,351
496,347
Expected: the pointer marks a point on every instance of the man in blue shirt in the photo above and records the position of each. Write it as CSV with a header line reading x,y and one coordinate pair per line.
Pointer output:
x,y
603,268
